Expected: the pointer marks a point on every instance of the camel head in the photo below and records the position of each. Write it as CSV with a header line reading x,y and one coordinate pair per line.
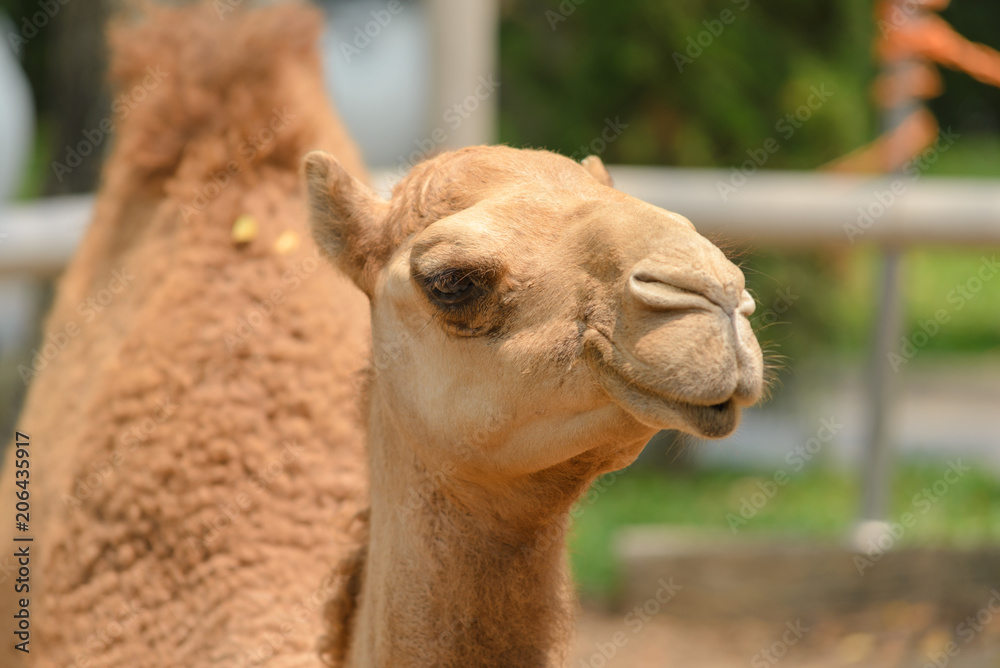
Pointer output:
x,y
524,312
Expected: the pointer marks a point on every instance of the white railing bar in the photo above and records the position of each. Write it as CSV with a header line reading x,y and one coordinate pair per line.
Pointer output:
x,y
773,208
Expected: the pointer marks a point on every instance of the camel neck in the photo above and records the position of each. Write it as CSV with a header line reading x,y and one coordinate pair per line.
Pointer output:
x,y
451,584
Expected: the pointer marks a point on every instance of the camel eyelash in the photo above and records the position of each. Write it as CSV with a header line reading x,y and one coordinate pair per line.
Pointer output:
x,y
455,289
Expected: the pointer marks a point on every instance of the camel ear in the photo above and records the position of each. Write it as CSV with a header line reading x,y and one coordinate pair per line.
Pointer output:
x,y
596,167
345,216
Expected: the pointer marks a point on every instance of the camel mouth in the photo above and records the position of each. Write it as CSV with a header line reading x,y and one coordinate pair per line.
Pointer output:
x,y
704,416
661,411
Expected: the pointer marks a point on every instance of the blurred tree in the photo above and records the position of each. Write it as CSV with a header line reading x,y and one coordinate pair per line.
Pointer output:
x,y
698,83
64,56
77,90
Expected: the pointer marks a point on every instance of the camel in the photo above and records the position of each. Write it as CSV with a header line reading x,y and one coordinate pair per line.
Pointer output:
x,y
529,326
532,327
197,461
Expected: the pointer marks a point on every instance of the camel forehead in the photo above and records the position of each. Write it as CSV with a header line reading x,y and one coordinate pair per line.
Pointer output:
x,y
516,184
470,175
502,163
524,201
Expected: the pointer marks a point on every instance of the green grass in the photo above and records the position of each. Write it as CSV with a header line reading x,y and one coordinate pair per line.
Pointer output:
x,y
818,503
971,155
935,281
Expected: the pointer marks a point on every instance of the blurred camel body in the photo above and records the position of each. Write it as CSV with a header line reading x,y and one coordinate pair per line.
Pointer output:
x,y
197,463
531,328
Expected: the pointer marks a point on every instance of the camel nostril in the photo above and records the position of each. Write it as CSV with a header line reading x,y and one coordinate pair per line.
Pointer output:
x,y
747,305
658,288
659,295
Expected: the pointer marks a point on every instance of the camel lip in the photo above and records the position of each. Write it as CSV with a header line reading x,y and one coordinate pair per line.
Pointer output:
x,y
653,407
661,411
716,421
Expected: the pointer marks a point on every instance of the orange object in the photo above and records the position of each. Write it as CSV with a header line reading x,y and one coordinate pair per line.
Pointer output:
x,y
931,37
913,80
891,150
912,39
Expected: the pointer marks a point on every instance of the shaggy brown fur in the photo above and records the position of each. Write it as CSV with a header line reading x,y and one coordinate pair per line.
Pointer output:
x,y
197,464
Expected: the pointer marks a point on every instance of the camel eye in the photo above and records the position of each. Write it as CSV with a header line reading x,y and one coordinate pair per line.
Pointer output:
x,y
468,298
453,287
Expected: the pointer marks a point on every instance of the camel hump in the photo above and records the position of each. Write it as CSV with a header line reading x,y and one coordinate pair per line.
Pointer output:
x,y
229,83
208,44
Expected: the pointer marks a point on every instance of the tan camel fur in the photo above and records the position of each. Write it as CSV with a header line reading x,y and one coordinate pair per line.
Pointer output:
x,y
197,461
532,327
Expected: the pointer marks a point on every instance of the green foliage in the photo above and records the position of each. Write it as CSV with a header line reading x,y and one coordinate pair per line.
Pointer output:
x,y
819,503
837,297
947,283
33,180
833,297
686,104
973,154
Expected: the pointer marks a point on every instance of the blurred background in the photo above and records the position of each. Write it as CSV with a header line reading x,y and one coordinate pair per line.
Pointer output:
x,y
855,181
